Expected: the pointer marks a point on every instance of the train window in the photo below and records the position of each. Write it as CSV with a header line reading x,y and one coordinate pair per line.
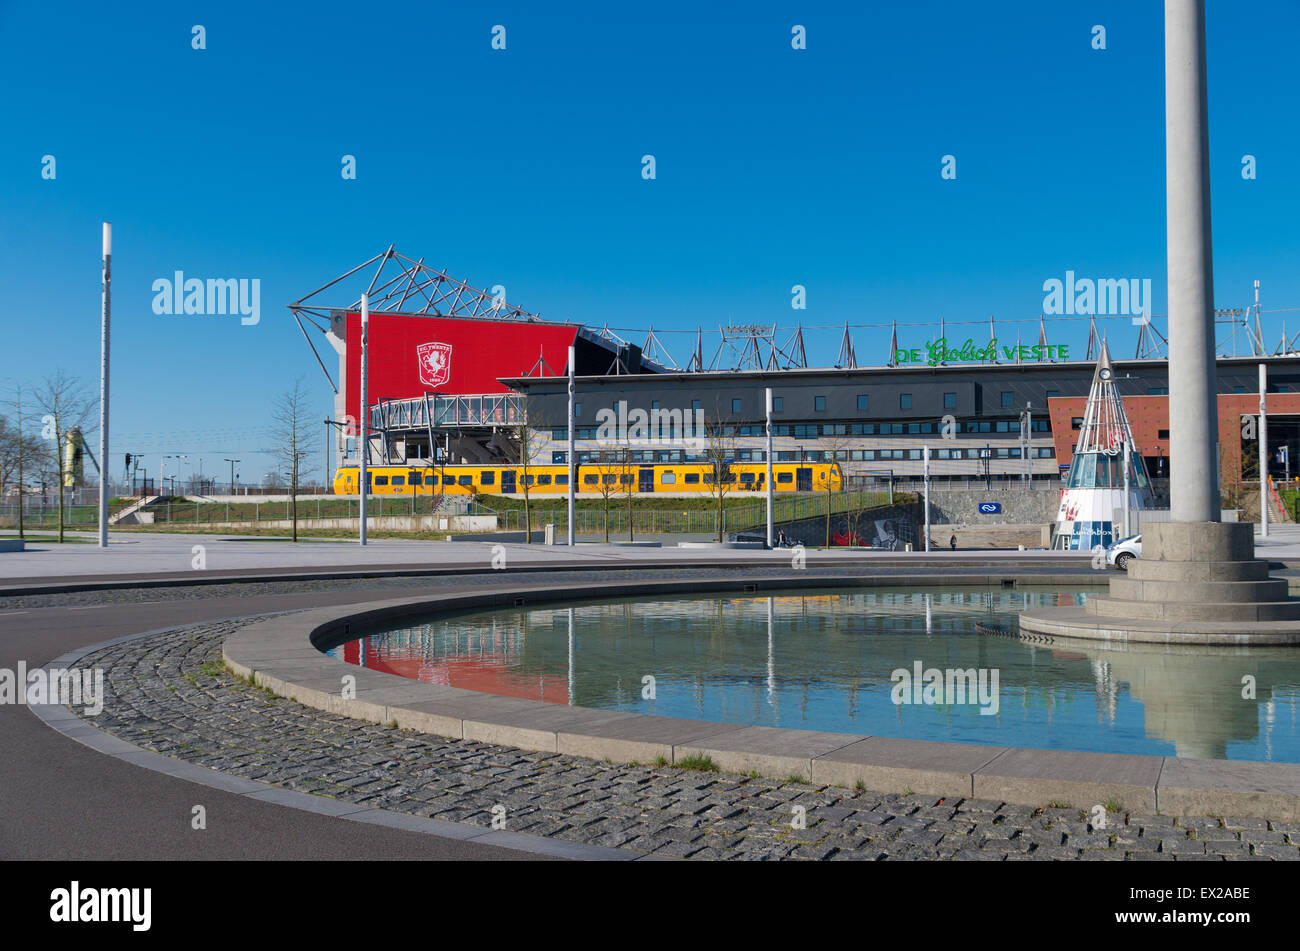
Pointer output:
x,y
430,480
399,480
448,480
609,479
692,478
543,480
561,480
487,477
668,478
708,478
381,480
528,480
785,477
590,479
464,480
747,477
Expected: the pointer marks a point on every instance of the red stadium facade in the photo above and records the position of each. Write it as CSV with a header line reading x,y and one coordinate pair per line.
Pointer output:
x,y
414,355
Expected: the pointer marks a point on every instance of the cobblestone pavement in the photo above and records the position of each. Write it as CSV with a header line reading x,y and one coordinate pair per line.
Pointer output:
x,y
399,584
171,693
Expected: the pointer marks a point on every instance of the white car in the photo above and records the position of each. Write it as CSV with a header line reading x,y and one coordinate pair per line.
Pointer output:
x,y
1124,551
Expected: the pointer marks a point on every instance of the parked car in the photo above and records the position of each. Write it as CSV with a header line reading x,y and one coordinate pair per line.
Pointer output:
x,y
1124,551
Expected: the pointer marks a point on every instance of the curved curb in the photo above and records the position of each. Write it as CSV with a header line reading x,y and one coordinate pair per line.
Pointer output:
x,y
63,720
282,655
1077,624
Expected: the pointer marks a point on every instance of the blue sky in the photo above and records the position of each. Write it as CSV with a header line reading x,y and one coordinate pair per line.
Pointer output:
x,y
522,167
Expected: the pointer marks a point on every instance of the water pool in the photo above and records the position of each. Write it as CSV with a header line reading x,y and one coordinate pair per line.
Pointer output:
x,y
832,659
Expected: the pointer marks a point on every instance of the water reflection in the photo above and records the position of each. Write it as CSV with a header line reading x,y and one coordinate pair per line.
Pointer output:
x,y
823,660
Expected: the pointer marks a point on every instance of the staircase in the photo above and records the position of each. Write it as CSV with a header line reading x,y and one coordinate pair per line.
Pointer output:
x,y
124,515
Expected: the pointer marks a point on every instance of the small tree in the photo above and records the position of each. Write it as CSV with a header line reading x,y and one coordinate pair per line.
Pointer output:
x,y
526,441
66,409
290,428
607,484
719,451
627,479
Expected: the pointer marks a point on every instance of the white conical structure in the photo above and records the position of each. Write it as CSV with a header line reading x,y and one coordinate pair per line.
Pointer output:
x,y
1094,488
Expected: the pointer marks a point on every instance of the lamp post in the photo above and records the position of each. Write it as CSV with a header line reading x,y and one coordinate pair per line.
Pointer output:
x,y
232,473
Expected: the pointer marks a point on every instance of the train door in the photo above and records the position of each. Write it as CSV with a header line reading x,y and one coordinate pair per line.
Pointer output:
x,y
645,481
803,480
507,481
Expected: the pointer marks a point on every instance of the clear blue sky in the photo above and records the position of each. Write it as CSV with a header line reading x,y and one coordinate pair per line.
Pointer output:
x,y
523,167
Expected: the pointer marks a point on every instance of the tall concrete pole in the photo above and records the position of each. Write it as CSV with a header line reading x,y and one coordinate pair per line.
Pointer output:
x,y
768,455
363,476
1193,409
573,467
925,456
105,313
1263,450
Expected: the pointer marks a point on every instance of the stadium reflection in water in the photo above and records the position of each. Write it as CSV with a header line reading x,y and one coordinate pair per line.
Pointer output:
x,y
825,659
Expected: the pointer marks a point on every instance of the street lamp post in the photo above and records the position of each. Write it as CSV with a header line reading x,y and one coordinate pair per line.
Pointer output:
x,y
232,473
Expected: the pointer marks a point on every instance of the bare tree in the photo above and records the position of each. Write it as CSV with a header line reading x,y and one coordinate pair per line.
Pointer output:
x,y
527,442
627,480
719,451
607,484
290,429
66,409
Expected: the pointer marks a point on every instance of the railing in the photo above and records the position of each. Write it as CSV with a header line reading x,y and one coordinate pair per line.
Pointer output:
x,y
449,412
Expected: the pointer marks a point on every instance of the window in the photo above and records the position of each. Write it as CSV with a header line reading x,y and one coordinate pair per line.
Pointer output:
x,y
1076,422
905,401
668,477
543,480
1053,393
609,479
464,480
590,479
950,401
487,477
695,404
692,478
399,480
1157,391
654,404
1235,389
381,480
735,406
777,404
1163,434
747,477
559,458
448,480
819,403
864,401
577,409
1008,398
431,480
785,477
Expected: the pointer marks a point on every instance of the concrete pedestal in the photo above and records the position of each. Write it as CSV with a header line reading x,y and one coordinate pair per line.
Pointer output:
x,y
1196,582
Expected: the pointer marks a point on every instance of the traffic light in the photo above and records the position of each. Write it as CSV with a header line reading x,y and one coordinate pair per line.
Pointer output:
x,y
128,460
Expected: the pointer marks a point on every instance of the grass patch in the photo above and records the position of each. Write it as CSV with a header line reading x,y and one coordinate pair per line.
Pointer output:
x,y
698,763
1057,804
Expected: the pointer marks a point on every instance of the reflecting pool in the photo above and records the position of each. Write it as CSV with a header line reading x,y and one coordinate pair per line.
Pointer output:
x,y
902,662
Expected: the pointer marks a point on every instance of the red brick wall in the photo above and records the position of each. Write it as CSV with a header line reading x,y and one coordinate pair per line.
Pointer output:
x,y
1147,415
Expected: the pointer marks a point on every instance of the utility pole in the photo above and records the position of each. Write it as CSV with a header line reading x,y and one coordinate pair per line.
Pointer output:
x,y
232,473
572,457
768,456
363,476
1263,450
106,310
925,456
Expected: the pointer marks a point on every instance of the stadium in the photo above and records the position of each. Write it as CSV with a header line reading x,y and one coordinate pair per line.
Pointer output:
x,y
461,380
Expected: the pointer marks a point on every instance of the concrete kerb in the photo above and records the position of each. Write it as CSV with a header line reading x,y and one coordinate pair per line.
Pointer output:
x,y
268,651
64,721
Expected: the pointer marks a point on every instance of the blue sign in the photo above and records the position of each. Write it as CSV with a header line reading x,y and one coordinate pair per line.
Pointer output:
x,y
990,508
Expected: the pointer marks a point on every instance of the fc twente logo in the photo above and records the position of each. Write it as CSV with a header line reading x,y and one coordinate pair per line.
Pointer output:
x,y
435,363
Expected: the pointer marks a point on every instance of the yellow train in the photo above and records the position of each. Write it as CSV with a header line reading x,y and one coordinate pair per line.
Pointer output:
x,y
594,479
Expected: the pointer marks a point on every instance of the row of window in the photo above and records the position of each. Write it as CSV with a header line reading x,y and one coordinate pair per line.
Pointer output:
x,y
816,430
863,402
486,477
807,455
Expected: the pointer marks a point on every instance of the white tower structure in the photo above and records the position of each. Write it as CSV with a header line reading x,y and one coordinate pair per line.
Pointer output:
x,y
1096,485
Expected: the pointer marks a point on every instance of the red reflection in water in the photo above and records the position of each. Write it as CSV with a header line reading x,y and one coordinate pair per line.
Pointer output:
x,y
486,673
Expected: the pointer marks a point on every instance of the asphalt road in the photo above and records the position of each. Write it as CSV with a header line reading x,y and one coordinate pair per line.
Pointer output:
x,y
63,800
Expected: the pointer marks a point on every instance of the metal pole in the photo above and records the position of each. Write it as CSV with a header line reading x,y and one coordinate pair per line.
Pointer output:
x,y
571,457
770,489
1263,450
1029,442
1193,411
106,310
327,453
1128,527
925,456
363,476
